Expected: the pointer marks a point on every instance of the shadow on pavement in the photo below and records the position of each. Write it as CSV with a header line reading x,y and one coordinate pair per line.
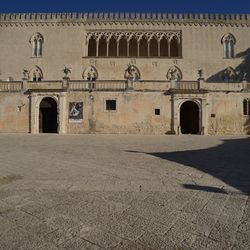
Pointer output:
x,y
229,162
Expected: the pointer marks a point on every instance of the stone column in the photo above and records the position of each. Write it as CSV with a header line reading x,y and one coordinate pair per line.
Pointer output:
x,y
34,114
138,48
97,46
39,48
107,46
159,48
203,117
148,48
62,114
33,48
169,51
117,48
86,49
127,47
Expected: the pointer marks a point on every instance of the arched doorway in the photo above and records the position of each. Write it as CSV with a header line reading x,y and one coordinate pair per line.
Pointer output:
x,y
48,116
189,118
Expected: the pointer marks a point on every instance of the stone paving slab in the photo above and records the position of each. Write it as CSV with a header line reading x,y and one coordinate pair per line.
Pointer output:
x,y
124,192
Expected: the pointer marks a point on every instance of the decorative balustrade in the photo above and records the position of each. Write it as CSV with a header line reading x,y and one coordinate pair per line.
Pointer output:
x,y
122,85
97,85
11,86
247,86
186,85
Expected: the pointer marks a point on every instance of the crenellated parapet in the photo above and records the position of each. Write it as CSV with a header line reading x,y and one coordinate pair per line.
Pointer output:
x,y
88,18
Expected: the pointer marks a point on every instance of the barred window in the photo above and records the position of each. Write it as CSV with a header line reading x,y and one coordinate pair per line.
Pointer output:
x,y
246,107
110,105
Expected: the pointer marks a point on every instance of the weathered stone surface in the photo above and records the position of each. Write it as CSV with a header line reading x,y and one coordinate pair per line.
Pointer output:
x,y
72,193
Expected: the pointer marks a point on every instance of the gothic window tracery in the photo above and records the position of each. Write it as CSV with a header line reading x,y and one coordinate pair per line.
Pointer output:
x,y
36,74
229,75
102,46
228,42
132,73
153,51
92,47
143,47
164,47
90,74
133,47
123,46
112,46
174,74
37,45
174,47
134,44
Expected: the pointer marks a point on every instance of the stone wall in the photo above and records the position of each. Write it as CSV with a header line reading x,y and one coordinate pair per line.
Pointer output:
x,y
65,44
14,112
135,113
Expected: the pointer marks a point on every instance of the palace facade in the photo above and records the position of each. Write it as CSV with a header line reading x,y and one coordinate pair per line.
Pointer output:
x,y
125,73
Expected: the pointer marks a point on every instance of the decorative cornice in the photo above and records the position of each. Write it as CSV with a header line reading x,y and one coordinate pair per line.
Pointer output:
x,y
89,18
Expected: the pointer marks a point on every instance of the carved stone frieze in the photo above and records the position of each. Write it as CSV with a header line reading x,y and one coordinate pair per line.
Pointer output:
x,y
128,35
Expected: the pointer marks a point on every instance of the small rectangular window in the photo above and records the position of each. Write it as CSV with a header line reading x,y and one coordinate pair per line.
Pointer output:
x,y
246,107
157,111
110,105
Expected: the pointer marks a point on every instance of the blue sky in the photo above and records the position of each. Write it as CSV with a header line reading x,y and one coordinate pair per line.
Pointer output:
x,y
178,6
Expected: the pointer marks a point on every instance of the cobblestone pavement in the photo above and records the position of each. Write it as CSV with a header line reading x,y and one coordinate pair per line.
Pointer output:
x,y
124,192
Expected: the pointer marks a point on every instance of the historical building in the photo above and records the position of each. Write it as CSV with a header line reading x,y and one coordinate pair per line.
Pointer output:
x,y
125,73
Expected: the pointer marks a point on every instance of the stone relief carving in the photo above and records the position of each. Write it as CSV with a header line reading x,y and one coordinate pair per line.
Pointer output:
x,y
35,74
128,35
229,75
66,71
132,73
174,74
90,74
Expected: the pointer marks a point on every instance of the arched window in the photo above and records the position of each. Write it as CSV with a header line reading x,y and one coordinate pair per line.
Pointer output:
x,y
174,74
228,42
90,73
36,74
246,107
92,47
133,48
112,47
132,73
123,47
164,47
143,47
102,47
229,75
37,45
174,47
153,47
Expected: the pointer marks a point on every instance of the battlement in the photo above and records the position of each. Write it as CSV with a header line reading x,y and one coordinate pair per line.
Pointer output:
x,y
164,17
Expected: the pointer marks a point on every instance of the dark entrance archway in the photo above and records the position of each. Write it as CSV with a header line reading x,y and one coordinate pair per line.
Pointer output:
x,y
189,118
48,116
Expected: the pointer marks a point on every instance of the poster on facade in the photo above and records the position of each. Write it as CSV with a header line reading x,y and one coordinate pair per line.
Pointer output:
x,y
75,111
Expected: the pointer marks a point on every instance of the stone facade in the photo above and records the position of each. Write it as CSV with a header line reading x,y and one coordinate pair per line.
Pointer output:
x,y
125,73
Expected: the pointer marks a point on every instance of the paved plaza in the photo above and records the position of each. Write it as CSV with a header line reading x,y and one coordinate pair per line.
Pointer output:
x,y
76,192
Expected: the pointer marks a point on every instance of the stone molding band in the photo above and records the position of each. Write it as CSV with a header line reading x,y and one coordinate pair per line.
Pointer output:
x,y
132,17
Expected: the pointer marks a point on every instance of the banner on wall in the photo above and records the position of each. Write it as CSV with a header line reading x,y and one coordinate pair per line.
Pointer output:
x,y
76,111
